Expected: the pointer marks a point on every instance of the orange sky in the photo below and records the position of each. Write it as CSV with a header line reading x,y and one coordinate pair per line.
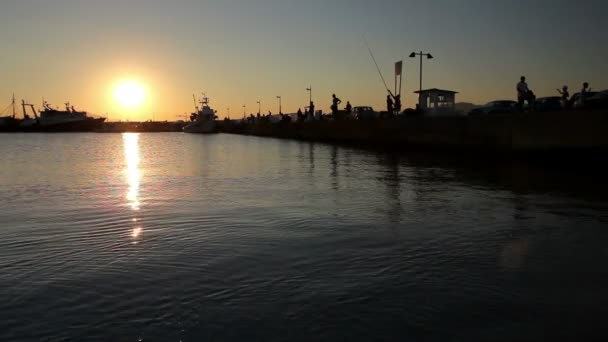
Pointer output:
x,y
239,52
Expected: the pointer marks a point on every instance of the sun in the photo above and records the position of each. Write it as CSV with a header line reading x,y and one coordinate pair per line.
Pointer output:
x,y
129,94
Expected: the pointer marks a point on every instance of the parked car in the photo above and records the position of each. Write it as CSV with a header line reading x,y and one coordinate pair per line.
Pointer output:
x,y
599,100
550,103
495,107
575,100
365,113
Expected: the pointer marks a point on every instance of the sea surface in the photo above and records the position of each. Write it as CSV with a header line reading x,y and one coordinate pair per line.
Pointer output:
x,y
176,237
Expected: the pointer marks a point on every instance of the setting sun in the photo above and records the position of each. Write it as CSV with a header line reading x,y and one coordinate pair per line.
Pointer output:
x,y
129,94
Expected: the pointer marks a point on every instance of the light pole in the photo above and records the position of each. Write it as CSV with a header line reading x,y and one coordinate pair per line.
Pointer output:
x,y
244,111
428,56
309,89
279,97
259,107
228,110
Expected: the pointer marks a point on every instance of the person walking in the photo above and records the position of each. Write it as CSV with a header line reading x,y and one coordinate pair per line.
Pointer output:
x,y
522,93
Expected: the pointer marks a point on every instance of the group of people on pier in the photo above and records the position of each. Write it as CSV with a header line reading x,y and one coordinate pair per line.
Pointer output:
x,y
526,95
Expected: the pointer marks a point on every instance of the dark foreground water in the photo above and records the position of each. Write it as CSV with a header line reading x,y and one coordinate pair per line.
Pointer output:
x,y
174,237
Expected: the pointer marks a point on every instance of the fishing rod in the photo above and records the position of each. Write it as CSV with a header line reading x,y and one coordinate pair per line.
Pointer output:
x,y
376,63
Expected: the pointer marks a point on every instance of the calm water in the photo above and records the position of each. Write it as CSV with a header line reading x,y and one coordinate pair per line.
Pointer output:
x,y
169,237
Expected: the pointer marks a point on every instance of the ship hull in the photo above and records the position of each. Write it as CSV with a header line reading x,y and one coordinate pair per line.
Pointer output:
x,y
88,125
201,127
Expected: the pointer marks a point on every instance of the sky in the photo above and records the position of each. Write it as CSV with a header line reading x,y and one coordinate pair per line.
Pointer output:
x,y
242,51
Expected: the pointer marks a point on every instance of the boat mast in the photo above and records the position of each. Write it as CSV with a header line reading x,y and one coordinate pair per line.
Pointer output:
x,y
195,103
13,105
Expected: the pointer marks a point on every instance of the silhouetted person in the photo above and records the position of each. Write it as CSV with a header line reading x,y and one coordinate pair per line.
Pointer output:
x,y
349,108
389,104
522,93
258,116
398,104
335,102
584,93
565,95
299,115
311,110
531,98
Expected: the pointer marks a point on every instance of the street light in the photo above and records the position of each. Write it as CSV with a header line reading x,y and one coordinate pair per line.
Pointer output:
x,y
228,110
244,111
428,56
280,112
309,89
259,107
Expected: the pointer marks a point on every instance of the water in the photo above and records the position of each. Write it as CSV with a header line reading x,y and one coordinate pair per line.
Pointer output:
x,y
175,237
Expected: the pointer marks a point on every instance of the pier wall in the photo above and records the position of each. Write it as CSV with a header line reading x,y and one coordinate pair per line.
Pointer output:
x,y
508,132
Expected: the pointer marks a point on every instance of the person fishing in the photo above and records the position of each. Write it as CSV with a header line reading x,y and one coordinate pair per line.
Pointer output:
x,y
389,104
335,102
397,106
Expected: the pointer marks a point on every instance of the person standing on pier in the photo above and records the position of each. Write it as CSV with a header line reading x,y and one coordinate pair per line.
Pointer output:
x,y
335,102
584,93
311,110
522,93
348,108
389,105
565,96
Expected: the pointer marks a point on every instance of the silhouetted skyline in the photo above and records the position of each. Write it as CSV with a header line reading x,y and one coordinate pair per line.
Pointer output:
x,y
240,52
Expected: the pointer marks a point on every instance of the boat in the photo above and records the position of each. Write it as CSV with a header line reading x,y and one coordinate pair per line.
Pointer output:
x,y
50,120
8,122
203,119
68,120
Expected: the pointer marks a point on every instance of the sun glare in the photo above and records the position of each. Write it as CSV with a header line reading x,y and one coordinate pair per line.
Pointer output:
x,y
129,94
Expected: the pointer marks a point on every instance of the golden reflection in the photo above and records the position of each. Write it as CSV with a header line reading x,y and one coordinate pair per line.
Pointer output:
x,y
131,143
136,232
133,175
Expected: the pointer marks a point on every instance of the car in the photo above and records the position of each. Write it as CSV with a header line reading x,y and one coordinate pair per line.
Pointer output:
x,y
365,113
495,107
575,100
598,101
550,103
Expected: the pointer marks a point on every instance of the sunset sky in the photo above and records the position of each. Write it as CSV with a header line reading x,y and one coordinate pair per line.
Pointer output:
x,y
241,51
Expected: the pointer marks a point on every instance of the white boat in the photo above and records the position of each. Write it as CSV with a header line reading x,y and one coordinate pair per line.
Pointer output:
x,y
203,119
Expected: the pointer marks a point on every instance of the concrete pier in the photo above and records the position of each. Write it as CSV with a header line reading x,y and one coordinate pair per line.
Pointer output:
x,y
546,131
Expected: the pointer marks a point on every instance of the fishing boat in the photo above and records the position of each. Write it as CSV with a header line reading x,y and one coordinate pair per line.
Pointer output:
x,y
67,120
54,120
8,122
203,119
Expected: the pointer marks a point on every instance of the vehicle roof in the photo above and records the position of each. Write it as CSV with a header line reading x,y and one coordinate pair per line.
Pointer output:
x,y
494,101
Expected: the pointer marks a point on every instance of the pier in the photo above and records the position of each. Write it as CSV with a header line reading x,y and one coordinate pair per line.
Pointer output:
x,y
542,131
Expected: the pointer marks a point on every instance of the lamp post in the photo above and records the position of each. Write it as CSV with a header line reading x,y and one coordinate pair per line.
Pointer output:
x,y
259,107
228,111
428,56
244,111
279,97
309,89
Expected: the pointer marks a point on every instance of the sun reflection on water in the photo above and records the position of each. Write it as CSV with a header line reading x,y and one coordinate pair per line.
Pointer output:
x,y
131,143
133,175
